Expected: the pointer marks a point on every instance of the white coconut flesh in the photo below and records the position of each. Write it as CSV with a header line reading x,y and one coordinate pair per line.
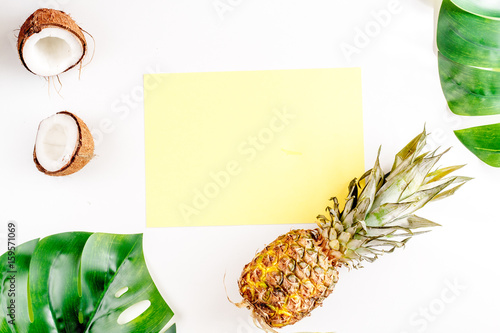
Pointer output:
x,y
56,141
52,51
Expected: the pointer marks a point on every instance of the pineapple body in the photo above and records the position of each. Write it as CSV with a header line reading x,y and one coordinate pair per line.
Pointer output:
x,y
295,273
289,278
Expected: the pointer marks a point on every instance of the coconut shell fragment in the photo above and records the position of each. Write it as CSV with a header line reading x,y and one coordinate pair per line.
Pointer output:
x,y
50,43
63,146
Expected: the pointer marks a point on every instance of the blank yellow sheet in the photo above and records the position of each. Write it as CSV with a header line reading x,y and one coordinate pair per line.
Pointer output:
x,y
250,147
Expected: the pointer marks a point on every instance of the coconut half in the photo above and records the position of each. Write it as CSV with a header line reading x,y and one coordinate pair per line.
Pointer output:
x,y
50,43
63,145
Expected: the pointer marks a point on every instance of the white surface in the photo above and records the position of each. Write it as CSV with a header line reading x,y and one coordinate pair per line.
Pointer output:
x,y
445,281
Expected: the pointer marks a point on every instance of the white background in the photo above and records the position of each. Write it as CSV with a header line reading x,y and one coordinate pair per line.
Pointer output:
x,y
444,281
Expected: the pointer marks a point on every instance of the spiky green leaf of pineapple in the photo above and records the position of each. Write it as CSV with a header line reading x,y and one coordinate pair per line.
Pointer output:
x,y
381,218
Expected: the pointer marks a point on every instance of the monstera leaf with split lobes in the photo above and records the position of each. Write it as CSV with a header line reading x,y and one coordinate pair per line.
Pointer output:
x,y
80,282
468,38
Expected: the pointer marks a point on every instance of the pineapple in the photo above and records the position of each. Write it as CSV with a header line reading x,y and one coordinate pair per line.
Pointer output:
x,y
295,273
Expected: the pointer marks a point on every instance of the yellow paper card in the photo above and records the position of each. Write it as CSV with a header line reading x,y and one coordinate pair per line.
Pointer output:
x,y
250,147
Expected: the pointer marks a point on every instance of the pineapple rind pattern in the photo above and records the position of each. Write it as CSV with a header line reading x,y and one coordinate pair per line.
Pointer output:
x,y
289,278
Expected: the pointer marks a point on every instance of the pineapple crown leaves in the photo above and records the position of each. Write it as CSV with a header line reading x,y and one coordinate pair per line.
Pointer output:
x,y
379,218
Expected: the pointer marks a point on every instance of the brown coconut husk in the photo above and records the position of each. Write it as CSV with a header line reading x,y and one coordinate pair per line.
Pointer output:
x,y
49,18
82,154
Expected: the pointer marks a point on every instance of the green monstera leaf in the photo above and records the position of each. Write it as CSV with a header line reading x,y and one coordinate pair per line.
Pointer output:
x,y
469,67
80,282
483,141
